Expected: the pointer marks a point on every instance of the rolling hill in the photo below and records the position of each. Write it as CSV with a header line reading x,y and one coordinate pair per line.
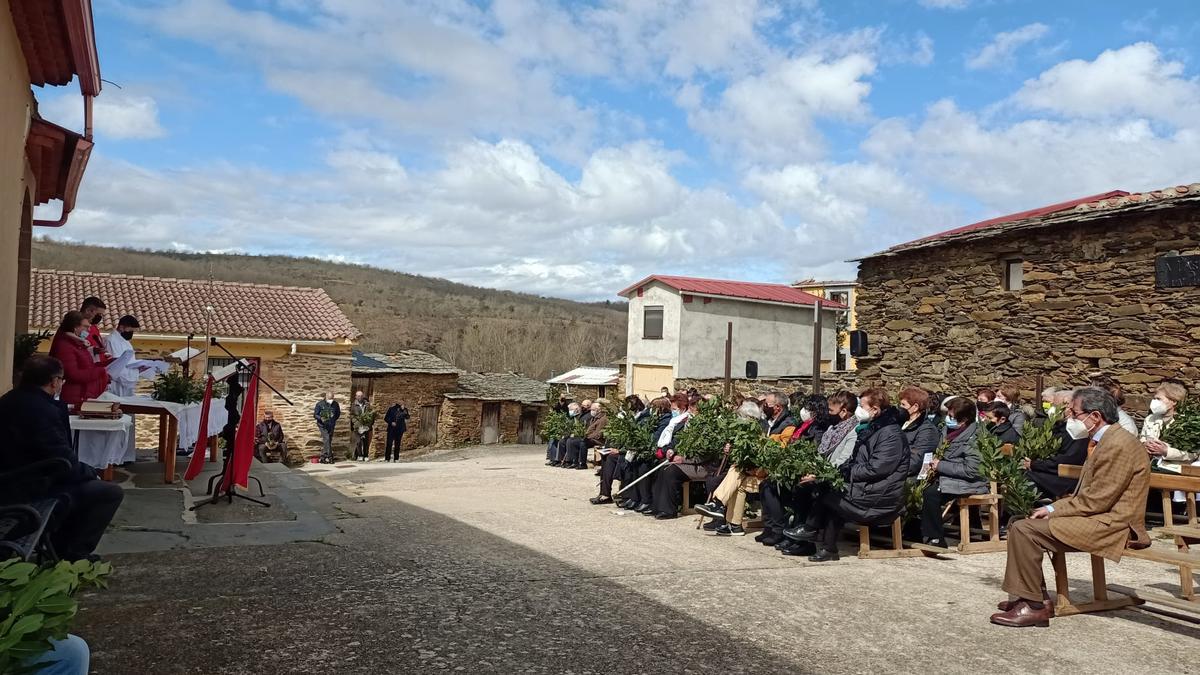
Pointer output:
x,y
474,328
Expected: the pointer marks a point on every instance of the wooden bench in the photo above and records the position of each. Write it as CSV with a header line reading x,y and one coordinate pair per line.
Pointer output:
x,y
897,549
1182,557
989,505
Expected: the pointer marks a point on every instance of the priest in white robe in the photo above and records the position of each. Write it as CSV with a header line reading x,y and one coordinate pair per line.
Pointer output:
x,y
124,370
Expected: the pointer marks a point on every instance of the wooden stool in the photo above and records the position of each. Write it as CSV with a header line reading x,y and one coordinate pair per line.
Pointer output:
x,y
897,550
987,503
1100,600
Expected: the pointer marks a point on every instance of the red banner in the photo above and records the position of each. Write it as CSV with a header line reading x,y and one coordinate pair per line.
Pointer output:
x,y
243,442
200,451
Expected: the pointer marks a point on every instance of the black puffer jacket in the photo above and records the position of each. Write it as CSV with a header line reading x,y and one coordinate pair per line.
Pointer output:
x,y
923,436
876,472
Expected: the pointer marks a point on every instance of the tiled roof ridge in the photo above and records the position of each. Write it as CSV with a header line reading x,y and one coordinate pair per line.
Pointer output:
x,y
1139,198
177,280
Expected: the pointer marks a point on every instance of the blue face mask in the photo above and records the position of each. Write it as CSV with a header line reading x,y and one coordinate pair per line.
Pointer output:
x,y
951,423
675,413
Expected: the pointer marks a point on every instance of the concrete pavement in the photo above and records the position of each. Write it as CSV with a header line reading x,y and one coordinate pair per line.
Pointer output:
x,y
483,560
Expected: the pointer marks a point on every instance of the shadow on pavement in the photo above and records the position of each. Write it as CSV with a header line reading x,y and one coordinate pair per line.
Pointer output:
x,y
400,590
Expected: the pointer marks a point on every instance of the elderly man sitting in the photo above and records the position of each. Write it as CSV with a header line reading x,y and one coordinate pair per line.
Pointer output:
x,y
1104,516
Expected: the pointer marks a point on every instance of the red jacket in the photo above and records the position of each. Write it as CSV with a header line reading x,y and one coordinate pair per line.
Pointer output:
x,y
85,379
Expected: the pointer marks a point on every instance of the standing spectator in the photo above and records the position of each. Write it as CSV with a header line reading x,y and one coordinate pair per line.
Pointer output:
x,y
93,313
359,430
268,438
326,414
123,378
86,379
396,419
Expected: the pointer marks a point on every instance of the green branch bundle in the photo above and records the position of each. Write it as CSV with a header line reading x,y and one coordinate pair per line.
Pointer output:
x,y
175,387
704,436
1038,441
1184,431
747,444
787,464
555,425
365,420
1006,471
36,606
628,434
914,490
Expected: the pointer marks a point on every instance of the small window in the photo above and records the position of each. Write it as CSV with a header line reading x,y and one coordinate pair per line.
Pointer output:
x,y
1014,274
840,297
652,323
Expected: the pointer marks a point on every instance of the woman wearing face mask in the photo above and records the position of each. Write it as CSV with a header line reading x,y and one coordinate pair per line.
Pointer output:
x,y
1010,395
1162,414
922,433
814,419
672,480
957,471
836,444
875,475
85,379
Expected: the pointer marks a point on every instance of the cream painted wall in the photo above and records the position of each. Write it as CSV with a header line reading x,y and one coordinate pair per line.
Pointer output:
x,y
16,101
778,337
664,352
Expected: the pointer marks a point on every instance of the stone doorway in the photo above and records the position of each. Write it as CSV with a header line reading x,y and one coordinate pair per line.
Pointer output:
x,y
490,421
527,429
428,433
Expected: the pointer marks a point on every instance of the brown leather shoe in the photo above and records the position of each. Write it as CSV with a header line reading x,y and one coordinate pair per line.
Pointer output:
x,y
1022,615
1005,605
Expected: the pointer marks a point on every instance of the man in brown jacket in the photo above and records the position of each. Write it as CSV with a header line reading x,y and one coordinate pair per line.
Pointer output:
x,y
1106,513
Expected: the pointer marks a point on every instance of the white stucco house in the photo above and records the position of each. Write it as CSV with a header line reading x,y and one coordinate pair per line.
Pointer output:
x,y
678,325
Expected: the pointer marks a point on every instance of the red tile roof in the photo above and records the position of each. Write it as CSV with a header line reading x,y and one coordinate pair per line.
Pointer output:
x,y
742,290
1064,212
176,306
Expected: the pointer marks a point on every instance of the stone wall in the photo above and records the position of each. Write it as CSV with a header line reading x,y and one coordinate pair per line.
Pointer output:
x,y
830,382
303,378
941,319
461,422
414,390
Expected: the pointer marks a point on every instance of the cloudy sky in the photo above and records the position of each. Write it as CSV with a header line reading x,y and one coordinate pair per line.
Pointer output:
x,y
567,148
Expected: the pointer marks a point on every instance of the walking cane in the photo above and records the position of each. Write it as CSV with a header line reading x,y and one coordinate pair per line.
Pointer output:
x,y
626,487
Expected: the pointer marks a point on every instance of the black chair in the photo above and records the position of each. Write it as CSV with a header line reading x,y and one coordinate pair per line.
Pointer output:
x,y
29,509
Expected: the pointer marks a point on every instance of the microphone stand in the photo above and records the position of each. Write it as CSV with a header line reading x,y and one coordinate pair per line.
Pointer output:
x,y
227,455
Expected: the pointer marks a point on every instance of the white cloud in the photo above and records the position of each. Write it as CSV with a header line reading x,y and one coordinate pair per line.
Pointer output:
x,y
494,214
1000,52
1134,80
770,116
944,4
115,114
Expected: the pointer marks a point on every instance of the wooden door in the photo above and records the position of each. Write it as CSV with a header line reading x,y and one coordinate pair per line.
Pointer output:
x,y
428,433
527,430
490,422
648,381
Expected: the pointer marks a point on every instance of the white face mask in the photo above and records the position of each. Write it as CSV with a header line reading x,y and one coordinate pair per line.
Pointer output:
x,y
1157,407
805,415
1077,429
329,400
862,414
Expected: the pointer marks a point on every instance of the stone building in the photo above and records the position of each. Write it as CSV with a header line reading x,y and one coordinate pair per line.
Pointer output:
x,y
493,408
448,406
587,382
678,328
415,378
299,337
1106,283
42,44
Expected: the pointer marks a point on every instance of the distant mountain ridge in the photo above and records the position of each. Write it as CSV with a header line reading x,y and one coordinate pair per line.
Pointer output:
x,y
476,329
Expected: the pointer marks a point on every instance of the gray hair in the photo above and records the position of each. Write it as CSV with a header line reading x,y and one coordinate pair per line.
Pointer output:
x,y
1094,399
1063,395
1048,393
778,396
573,406
750,410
